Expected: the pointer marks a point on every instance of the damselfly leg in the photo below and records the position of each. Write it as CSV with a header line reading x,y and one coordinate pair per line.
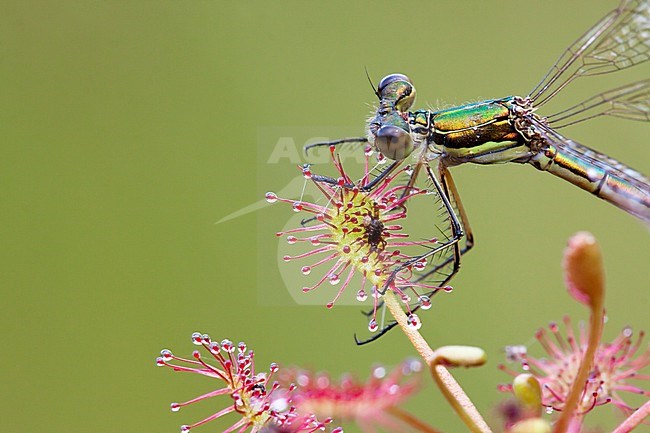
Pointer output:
x,y
358,140
447,254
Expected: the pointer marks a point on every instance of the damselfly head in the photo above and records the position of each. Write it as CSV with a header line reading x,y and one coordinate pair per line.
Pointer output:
x,y
389,129
392,136
397,88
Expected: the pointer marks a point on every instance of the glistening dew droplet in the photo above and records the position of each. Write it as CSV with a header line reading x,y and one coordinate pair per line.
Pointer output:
x,y
306,171
425,302
413,321
271,197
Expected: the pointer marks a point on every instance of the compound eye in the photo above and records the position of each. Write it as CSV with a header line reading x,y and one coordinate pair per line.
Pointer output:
x,y
397,88
393,142
390,79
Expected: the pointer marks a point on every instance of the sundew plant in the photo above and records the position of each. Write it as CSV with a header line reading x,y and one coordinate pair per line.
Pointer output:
x,y
358,243
354,232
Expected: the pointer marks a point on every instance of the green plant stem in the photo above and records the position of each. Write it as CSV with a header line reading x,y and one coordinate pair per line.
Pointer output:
x,y
452,391
595,331
413,335
458,399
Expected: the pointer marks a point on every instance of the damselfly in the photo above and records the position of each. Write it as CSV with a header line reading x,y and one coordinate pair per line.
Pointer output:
x,y
510,130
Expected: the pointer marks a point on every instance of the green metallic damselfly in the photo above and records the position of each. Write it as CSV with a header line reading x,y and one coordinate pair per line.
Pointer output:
x,y
510,130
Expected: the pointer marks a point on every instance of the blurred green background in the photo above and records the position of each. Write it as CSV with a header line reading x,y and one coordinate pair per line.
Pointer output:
x,y
128,129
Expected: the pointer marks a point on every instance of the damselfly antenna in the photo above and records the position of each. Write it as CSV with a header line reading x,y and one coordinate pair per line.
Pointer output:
x,y
374,89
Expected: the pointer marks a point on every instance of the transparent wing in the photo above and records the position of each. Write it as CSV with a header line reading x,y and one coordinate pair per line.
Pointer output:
x,y
630,102
621,39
